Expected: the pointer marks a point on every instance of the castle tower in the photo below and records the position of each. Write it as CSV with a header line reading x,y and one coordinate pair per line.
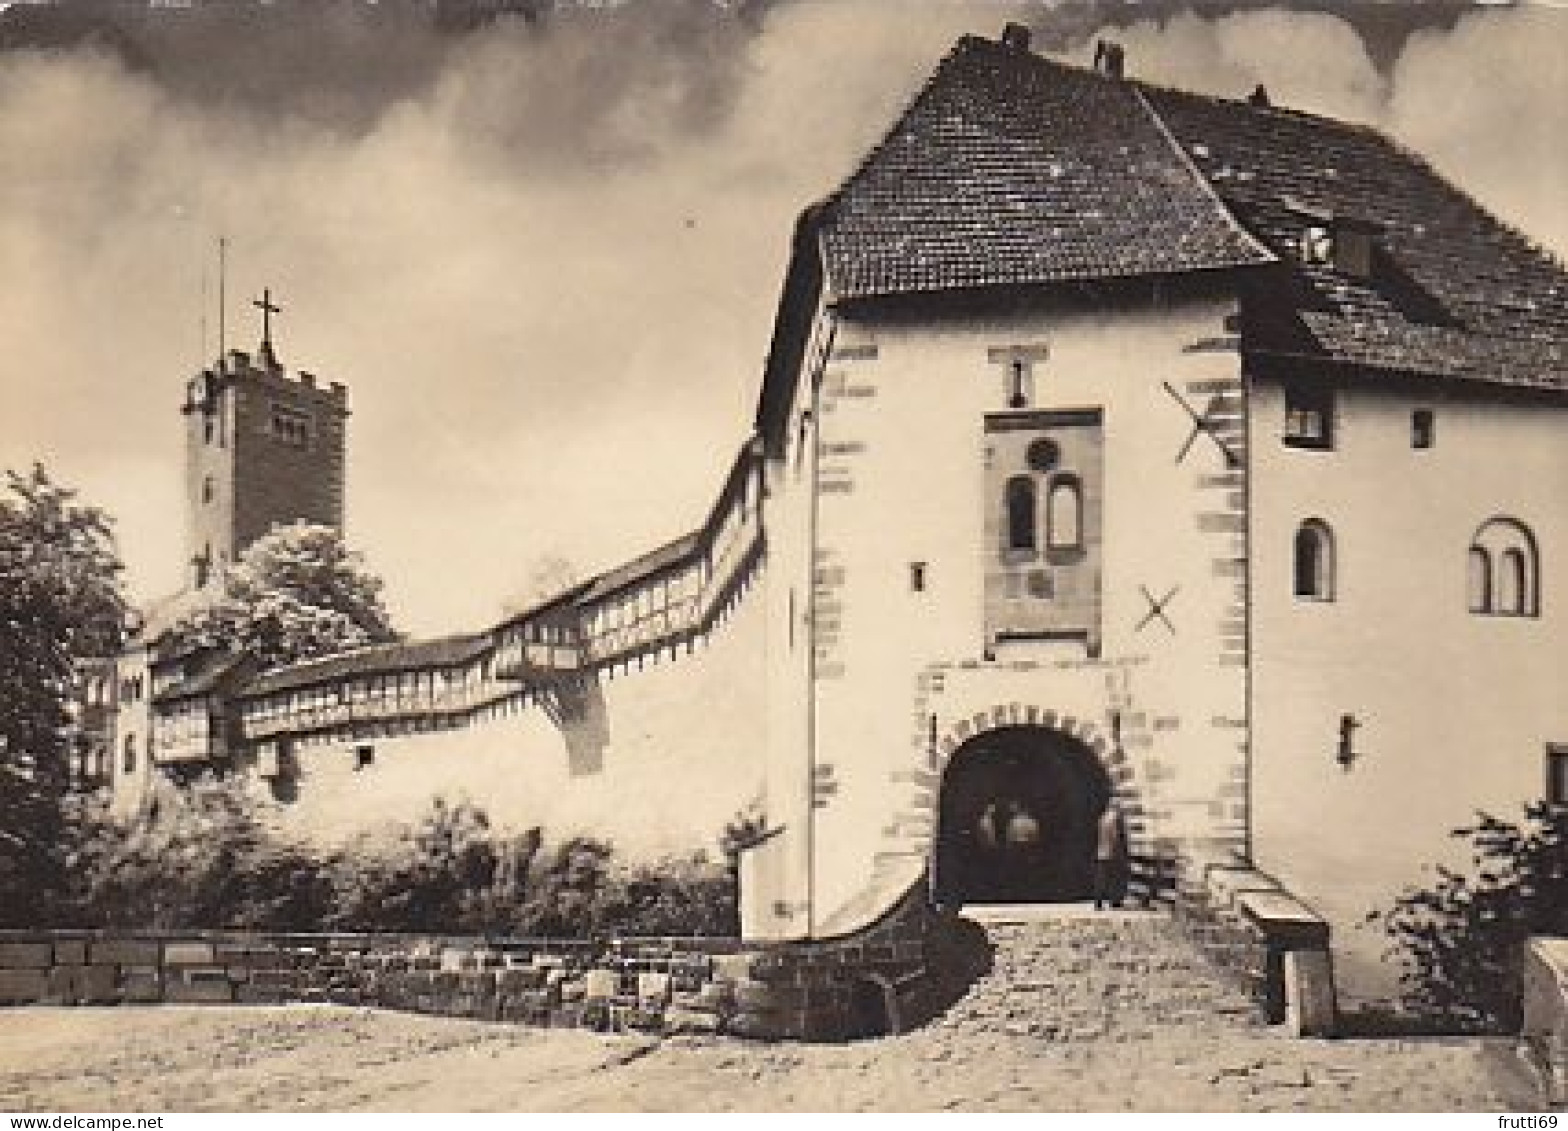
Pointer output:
x,y
262,449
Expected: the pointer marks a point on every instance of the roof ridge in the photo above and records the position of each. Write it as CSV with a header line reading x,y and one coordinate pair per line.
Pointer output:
x,y
1203,181
1383,137
482,635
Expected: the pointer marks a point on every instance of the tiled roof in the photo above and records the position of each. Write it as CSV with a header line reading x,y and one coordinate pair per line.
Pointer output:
x,y
444,652
209,674
1454,292
665,557
1012,169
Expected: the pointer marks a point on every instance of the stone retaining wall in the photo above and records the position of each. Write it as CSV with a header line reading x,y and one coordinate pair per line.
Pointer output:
x,y
813,991
1271,943
1545,1029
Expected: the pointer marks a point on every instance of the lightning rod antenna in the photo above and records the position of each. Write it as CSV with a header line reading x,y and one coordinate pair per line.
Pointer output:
x,y
223,266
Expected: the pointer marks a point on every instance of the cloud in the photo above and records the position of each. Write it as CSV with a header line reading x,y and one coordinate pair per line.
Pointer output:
x,y
544,257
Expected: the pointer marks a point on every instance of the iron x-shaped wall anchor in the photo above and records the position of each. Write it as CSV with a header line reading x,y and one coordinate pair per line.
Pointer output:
x,y
1157,609
1203,424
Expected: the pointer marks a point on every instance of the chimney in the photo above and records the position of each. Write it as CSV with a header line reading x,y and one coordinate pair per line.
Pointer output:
x,y
1259,96
1015,37
1109,59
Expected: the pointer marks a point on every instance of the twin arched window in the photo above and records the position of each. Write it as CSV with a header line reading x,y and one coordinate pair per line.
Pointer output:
x,y
1314,557
1063,513
1504,570
1503,567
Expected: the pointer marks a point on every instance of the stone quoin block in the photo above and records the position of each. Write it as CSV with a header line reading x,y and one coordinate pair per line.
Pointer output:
x,y
653,989
733,967
94,985
188,954
757,1025
25,955
141,984
23,986
125,953
691,1022
1309,993
198,985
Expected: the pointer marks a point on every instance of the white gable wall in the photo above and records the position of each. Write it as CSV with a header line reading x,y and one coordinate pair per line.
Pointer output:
x,y
1454,709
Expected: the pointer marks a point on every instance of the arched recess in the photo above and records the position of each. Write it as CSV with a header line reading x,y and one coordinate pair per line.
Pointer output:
x,y
1017,807
1504,569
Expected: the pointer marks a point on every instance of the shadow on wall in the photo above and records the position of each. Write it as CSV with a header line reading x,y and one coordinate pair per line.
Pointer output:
x,y
958,953
575,704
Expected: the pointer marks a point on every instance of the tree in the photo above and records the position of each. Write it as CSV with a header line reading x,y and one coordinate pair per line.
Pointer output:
x,y
295,594
60,604
1464,936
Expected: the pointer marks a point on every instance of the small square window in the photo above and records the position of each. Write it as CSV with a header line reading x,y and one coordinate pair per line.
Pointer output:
x,y
1557,773
291,426
1309,417
364,757
1423,429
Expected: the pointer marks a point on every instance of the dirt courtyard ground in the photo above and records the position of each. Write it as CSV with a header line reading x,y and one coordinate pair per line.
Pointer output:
x,y
319,1058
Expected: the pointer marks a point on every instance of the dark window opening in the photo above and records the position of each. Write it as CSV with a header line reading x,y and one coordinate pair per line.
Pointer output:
x,y
917,577
128,763
207,489
291,426
1309,416
1044,455
1021,506
1423,428
1314,554
1512,580
1480,582
1353,251
1017,383
1557,774
364,757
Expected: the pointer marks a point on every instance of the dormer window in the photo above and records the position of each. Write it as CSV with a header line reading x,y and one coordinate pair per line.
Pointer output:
x,y
1339,243
1317,245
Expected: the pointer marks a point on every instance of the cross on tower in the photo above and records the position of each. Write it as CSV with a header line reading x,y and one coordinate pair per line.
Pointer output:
x,y
268,309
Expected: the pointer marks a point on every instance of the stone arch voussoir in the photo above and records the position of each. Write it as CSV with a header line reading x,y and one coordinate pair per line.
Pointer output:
x,y
1113,761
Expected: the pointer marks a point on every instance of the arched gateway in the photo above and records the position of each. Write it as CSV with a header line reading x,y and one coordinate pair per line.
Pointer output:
x,y
1017,818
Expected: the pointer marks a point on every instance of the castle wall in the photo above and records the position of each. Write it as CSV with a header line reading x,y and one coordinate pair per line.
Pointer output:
x,y
901,674
1452,710
655,753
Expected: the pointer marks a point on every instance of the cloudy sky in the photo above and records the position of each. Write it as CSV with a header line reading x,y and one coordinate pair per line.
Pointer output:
x,y
544,258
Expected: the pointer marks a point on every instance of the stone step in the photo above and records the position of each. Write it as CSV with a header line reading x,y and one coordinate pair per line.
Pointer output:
x,y
1066,974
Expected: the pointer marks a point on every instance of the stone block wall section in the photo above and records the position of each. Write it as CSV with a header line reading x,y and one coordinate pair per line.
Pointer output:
x,y
1275,946
1545,1029
868,984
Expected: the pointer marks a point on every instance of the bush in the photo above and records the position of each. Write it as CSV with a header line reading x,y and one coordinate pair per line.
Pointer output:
x,y
203,859
1464,937
207,859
